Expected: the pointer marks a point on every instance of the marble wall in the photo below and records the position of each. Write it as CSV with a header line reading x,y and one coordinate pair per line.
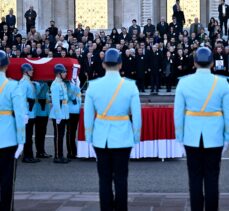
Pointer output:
x,y
120,12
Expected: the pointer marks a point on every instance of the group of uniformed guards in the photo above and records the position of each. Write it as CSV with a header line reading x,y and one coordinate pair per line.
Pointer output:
x,y
63,107
27,104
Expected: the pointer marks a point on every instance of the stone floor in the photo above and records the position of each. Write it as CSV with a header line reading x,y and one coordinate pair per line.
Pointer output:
x,y
69,201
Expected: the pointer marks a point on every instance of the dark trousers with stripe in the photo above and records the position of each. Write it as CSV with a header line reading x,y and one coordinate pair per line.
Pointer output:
x,y
28,147
40,132
112,165
203,170
71,134
59,131
7,177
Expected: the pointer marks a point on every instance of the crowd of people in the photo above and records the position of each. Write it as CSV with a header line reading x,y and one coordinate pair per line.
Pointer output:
x,y
153,55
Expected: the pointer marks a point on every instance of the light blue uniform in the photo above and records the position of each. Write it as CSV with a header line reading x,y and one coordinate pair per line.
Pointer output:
x,y
191,93
12,128
74,94
29,90
59,93
114,133
44,94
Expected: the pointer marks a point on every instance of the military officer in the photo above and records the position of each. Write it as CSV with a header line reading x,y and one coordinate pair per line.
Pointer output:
x,y
111,132
202,126
41,121
30,91
12,133
74,103
59,112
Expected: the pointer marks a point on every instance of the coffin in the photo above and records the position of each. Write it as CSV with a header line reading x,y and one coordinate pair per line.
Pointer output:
x,y
43,68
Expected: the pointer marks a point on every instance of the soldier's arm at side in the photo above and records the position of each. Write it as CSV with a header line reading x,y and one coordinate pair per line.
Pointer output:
x,y
136,115
226,114
179,112
38,87
89,116
56,101
78,96
24,89
19,112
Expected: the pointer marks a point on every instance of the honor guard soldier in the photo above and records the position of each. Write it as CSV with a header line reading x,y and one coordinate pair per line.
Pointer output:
x,y
43,110
12,133
59,112
30,91
202,126
109,129
74,103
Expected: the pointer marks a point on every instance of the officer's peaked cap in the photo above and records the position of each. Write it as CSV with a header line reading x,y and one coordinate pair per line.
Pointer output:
x,y
112,55
59,68
203,55
3,59
26,67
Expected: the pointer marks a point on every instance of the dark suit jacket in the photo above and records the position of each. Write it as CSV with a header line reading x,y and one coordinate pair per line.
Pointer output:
x,y
10,21
127,37
32,14
149,29
220,10
53,31
141,66
163,29
134,28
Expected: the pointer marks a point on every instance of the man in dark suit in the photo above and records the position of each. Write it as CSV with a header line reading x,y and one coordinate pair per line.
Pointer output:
x,y
141,69
11,20
128,65
168,64
180,18
30,16
89,66
155,67
134,27
175,26
163,27
52,29
149,28
176,6
223,10
79,32
124,35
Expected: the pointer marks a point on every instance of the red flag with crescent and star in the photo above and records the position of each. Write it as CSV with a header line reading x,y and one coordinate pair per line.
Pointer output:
x,y
43,68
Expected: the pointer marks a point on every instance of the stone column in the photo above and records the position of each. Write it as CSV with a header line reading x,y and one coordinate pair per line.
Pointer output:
x,y
157,11
203,12
163,9
25,7
71,14
20,15
131,10
64,11
44,14
118,16
110,10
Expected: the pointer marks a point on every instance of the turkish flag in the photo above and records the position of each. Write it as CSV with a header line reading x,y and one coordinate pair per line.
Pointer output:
x,y
43,68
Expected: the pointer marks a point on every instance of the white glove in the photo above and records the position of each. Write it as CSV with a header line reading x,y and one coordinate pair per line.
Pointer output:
x,y
73,81
19,150
26,119
58,121
182,149
225,147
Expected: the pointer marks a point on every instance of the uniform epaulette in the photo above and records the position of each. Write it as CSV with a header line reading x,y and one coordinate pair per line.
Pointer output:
x,y
128,79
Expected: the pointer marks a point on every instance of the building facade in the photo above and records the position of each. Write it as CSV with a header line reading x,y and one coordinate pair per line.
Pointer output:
x,y
106,14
